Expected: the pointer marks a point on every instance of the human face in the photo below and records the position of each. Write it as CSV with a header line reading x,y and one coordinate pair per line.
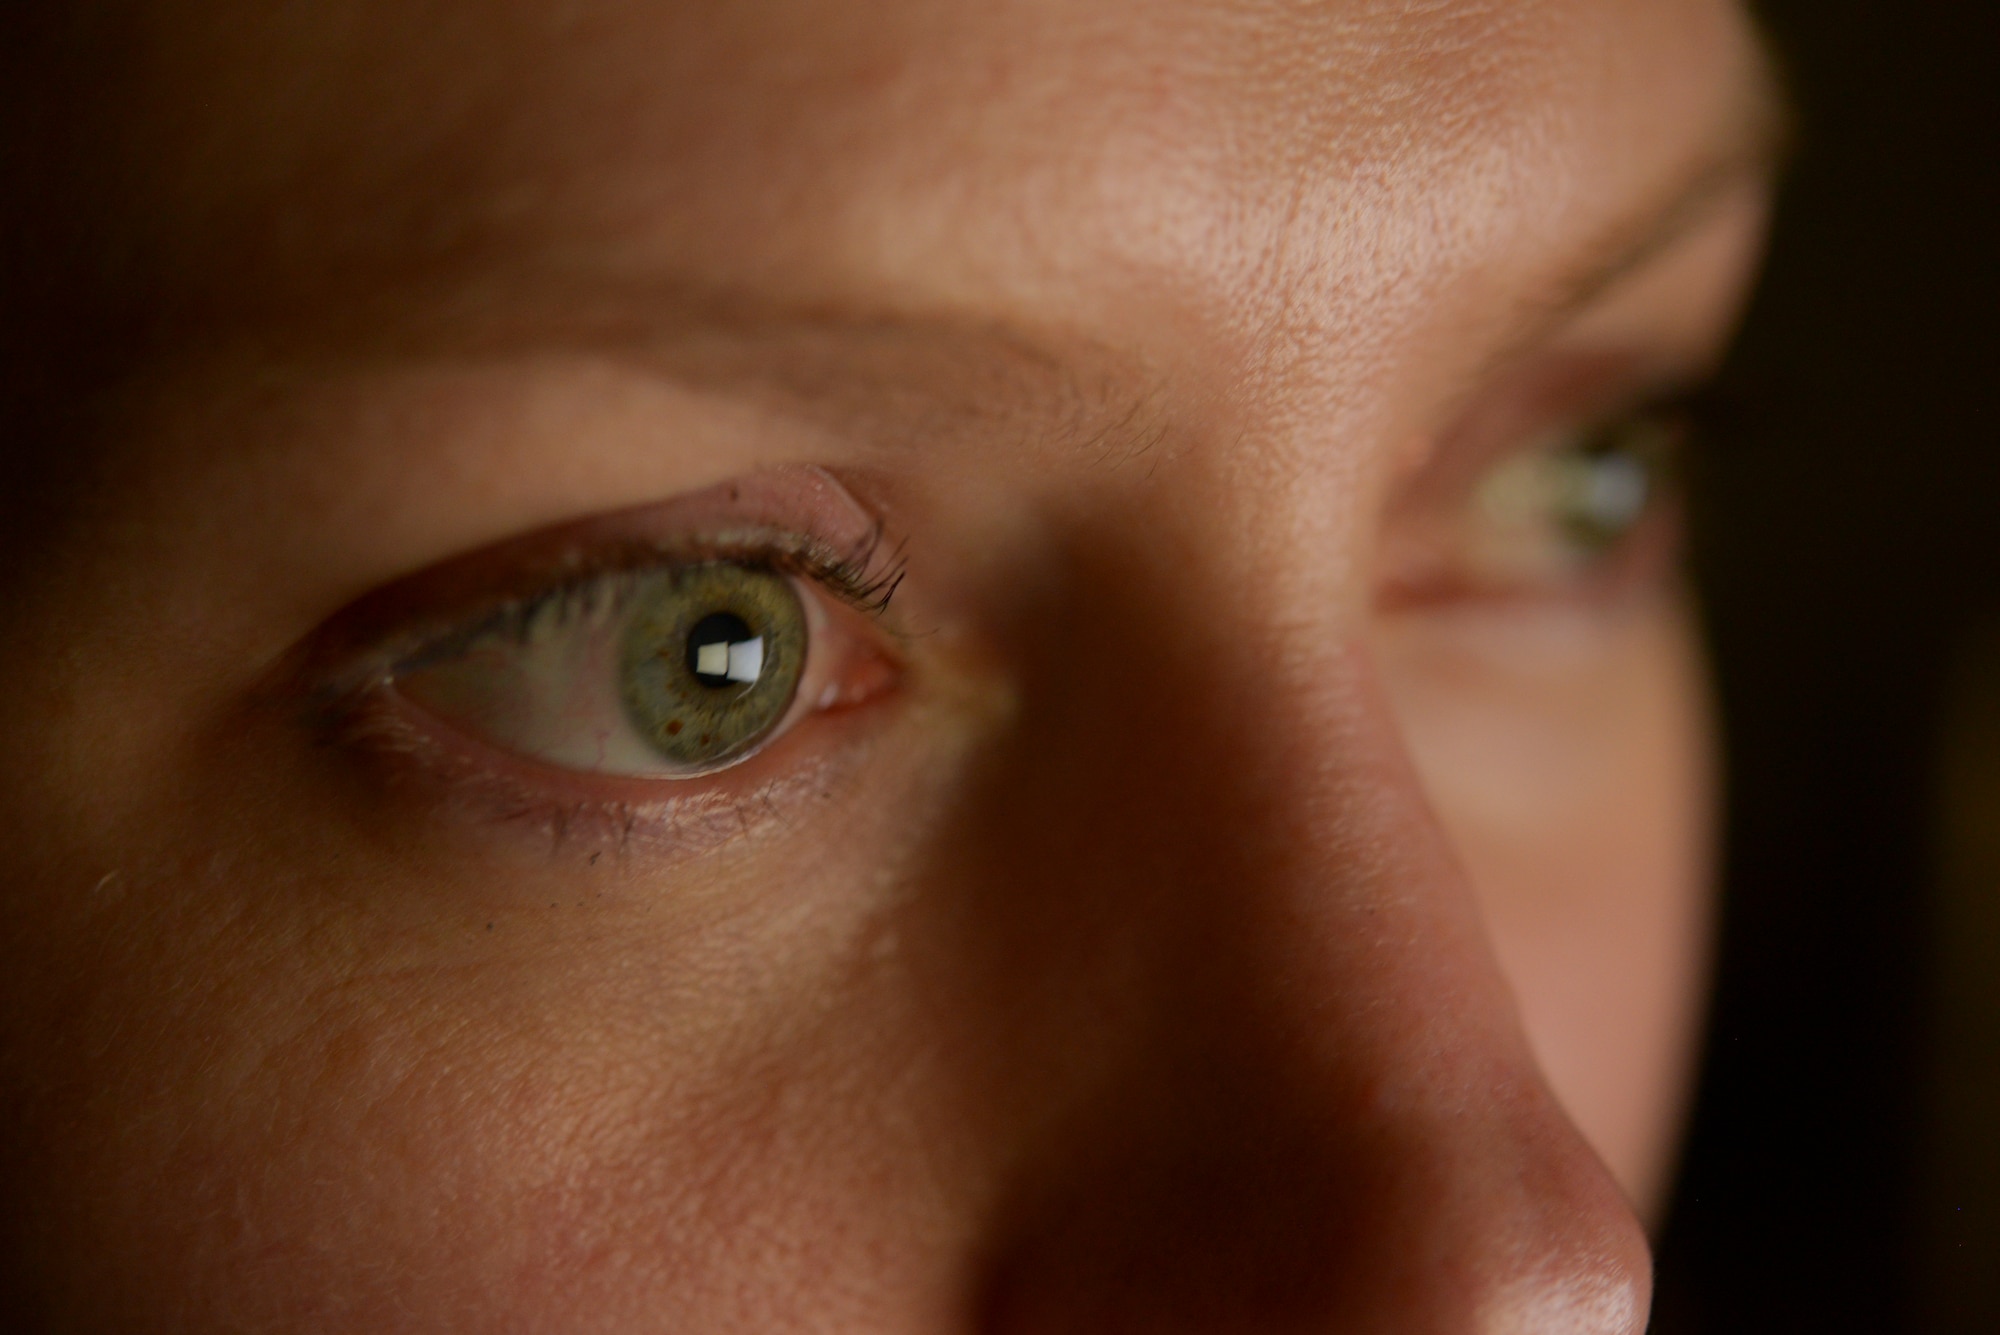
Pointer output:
x,y
1249,875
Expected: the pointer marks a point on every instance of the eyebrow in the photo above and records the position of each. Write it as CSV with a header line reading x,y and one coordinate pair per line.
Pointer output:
x,y
1753,142
849,363
1747,148
1102,398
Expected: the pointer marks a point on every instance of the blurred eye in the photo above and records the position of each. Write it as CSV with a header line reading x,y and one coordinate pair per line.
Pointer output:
x,y
666,672
1558,509
1571,502
1587,508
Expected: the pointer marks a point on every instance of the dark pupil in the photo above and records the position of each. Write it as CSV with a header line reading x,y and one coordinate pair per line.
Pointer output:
x,y
716,629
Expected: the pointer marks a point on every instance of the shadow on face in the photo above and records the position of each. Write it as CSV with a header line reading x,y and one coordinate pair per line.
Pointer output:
x,y
1229,854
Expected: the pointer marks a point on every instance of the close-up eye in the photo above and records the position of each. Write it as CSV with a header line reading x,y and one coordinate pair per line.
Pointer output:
x,y
494,842
656,645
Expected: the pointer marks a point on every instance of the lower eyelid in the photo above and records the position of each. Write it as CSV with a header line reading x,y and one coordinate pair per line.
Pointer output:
x,y
424,770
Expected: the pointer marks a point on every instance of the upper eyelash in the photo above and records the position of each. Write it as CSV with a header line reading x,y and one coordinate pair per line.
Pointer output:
x,y
865,576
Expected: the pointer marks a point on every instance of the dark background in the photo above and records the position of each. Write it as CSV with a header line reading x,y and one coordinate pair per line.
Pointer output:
x,y
1846,543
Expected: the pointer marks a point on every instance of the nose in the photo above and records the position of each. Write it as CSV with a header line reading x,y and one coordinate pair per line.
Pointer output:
x,y
1301,1100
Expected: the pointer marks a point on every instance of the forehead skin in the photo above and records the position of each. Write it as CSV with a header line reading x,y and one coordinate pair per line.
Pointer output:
x,y
1314,169
1327,216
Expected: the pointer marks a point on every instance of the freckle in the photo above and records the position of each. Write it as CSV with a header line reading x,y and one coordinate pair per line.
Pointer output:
x,y
595,856
489,926
673,728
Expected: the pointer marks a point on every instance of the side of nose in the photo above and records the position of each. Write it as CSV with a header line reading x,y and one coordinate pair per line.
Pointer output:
x,y
1315,1110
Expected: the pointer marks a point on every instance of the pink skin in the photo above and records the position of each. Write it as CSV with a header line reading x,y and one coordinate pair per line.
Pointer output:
x,y
1189,933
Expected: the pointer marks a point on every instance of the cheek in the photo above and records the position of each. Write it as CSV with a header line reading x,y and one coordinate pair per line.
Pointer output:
x,y
558,1130
335,1089
1567,756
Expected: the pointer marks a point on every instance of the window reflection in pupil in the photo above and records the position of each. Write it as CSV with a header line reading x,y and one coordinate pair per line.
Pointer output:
x,y
723,651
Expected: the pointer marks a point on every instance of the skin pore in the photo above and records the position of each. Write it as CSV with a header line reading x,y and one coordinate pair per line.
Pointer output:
x,y
1238,883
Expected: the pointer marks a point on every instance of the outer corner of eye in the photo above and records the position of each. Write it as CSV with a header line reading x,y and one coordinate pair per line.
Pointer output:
x,y
666,673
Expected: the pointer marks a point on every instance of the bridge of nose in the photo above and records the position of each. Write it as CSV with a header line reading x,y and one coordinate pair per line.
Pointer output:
x,y
1212,917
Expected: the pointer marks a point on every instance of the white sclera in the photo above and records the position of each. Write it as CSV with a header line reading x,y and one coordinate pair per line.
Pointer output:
x,y
550,692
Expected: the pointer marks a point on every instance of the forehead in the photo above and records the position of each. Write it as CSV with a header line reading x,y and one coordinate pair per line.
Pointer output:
x,y
1010,157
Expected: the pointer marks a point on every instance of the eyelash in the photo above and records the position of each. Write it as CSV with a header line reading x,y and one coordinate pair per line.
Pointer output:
x,y
864,577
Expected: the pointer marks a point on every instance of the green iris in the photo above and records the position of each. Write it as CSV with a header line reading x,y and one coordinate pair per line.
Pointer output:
x,y
711,659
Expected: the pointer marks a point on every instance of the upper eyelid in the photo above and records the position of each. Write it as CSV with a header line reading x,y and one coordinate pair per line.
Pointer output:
x,y
800,521
1573,395
856,581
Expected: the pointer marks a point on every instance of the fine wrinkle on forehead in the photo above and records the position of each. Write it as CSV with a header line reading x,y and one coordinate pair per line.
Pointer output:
x,y
303,140
1293,186
886,380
